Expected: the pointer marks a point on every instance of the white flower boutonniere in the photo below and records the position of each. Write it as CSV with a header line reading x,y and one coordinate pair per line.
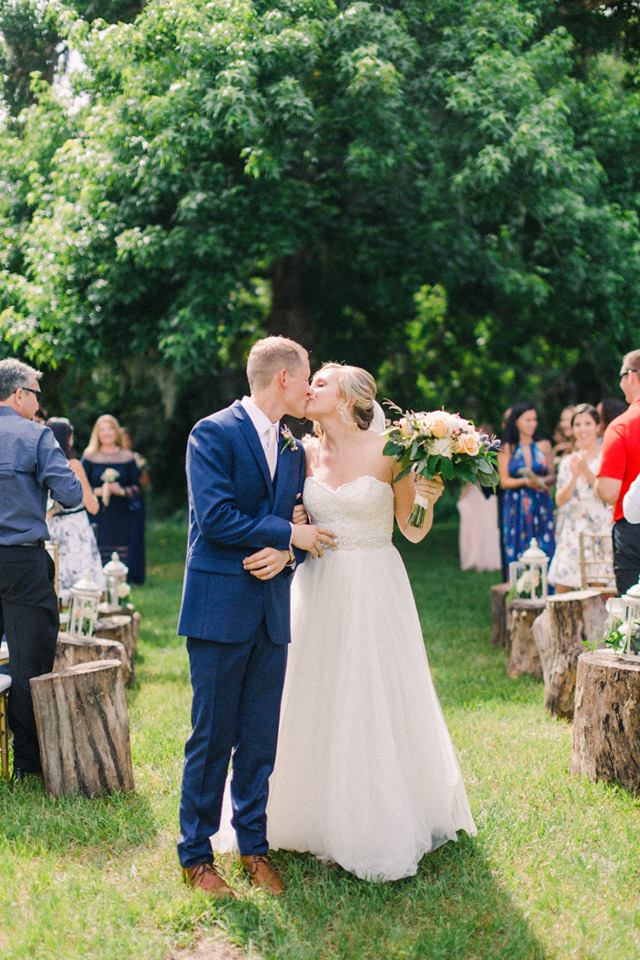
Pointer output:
x,y
289,442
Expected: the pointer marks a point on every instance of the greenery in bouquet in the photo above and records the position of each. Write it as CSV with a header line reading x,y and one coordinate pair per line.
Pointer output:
x,y
437,443
623,637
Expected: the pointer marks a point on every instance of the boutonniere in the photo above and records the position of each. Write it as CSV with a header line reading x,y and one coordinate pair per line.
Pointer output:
x,y
289,442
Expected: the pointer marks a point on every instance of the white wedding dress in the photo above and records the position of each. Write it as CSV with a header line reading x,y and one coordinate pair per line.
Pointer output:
x,y
366,774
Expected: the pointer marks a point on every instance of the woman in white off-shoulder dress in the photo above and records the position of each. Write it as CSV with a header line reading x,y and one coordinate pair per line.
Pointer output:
x,y
366,774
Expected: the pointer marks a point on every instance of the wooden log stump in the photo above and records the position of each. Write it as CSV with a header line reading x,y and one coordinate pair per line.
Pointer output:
x,y
499,593
524,658
83,729
568,620
606,733
124,629
73,650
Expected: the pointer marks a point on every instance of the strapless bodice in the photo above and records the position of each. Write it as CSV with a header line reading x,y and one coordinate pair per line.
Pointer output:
x,y
359,512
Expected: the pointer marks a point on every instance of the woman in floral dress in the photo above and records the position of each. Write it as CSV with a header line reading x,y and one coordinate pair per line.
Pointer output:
x,y
584,511
525,465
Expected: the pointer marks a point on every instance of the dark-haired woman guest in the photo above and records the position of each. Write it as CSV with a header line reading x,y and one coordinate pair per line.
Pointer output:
x,y
114,476
608,409
585,512
78,554
525,464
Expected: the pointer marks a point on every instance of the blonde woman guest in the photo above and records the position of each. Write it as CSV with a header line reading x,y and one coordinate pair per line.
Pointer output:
x,y
70,529
584,510
113,474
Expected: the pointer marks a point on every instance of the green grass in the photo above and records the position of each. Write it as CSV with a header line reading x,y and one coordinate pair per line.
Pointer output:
x,y
553,873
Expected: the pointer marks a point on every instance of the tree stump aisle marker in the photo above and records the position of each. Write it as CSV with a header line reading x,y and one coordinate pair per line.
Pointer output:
x,y
524,659
568,620
83,729
606,733
73,650
499,593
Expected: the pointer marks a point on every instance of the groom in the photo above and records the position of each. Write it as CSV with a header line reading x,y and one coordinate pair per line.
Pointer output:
x,y
245,478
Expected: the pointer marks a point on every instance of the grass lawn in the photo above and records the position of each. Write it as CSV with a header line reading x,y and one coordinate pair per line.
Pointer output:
x,y
553,873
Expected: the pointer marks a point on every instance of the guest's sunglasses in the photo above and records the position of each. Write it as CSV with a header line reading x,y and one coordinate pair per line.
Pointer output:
x,y
623,373
37,393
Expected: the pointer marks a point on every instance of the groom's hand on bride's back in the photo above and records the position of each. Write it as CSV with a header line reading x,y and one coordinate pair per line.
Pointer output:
x,y
315,540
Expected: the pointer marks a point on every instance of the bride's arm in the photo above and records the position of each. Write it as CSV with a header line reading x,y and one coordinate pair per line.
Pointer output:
x,y
404,493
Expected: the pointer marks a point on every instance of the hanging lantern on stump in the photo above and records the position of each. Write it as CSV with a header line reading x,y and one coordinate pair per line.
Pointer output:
x,y
84,597
528,575
115,575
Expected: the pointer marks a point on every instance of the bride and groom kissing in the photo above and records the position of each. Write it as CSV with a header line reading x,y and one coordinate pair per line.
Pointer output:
x,y
365,774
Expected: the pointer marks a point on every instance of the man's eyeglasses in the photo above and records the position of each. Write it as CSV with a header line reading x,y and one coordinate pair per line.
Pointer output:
x,y
623,373
37,393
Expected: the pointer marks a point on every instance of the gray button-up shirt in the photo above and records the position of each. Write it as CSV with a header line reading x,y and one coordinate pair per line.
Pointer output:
x,y
31,463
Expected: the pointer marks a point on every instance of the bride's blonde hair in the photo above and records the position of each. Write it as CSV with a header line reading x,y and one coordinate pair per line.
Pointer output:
x,y
357,390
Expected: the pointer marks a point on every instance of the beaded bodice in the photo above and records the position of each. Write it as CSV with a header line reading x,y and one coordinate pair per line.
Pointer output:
x,y
359,512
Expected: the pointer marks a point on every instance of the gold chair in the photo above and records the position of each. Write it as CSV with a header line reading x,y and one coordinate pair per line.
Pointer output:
x,y
596,563
5,684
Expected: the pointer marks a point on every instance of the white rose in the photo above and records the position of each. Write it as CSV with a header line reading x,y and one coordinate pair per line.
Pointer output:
x,y
441,448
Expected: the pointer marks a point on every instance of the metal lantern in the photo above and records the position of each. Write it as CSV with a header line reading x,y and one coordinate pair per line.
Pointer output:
x,y
115,575
84,597
631,618
528,575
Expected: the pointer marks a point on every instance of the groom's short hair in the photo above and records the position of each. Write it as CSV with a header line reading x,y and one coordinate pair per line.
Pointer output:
x,y
269,355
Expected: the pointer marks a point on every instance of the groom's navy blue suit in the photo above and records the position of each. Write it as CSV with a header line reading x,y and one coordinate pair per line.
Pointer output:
x,y
237,626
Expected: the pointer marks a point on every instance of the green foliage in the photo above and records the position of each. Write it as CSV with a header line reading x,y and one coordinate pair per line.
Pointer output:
x,y
29,35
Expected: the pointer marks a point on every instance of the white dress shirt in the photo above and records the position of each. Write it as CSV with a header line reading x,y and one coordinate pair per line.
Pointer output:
x,y
631,502
267,430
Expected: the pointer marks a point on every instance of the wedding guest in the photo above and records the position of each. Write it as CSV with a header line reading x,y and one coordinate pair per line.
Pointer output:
x,y
32,464
113,473
138,512
608,409
526,473
585,511
563,438
479,535
619,467
78,554
631,502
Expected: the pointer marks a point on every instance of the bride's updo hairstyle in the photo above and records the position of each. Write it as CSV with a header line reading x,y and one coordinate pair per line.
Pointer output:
x,y
357,389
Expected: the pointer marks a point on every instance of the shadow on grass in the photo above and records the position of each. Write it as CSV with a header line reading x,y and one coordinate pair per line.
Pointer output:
x,y
33,819
454,909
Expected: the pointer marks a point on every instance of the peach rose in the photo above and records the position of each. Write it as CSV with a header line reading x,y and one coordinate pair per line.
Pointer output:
x,y
405,426
438,429
469,444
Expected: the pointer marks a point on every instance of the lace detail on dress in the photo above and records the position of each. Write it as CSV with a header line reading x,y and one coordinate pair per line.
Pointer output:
x,y
359,512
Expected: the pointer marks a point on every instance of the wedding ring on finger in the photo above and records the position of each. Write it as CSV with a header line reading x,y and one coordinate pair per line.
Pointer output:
x,y
268,569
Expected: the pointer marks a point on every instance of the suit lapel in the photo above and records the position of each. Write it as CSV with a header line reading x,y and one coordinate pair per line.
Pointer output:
x,y
253,440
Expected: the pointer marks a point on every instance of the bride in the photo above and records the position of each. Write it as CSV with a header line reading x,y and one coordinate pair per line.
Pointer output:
x,y
366,774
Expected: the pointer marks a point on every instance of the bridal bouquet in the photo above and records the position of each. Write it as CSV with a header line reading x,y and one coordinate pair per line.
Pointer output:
x,y
441,443
109,476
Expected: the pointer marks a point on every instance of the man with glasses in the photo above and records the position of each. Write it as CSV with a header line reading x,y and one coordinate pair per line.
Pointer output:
x,y
619,466
31,464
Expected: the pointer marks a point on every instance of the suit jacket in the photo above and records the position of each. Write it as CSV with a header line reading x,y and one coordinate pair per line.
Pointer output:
x,y
235,510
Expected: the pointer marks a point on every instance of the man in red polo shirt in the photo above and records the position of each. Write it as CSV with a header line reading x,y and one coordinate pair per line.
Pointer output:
x,y
619,466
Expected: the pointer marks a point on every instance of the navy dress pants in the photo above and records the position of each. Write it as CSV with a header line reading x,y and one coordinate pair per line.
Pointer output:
x,y
237,690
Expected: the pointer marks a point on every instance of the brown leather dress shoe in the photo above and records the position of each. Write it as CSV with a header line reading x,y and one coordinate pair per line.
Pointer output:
x,y
205,877
263,875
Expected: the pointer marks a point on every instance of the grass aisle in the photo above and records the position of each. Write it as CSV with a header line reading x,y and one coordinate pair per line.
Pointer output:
x,y
553,872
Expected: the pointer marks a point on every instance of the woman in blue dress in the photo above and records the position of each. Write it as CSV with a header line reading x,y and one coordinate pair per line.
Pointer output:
x,y
114,476
525,465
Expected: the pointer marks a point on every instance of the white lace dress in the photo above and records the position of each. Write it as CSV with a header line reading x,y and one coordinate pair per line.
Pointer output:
x,y
366,774
78,554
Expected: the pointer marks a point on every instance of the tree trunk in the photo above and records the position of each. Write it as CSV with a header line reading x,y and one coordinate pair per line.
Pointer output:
x,y
524,658
606,734
568,620
291,307
83,729
499,593
71,651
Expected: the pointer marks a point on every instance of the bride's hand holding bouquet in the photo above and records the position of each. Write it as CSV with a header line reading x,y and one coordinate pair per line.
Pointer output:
x,y
437,444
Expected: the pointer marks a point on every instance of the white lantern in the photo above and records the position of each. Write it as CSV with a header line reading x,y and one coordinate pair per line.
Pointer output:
x,y
115,575
631,620
528,575
84,597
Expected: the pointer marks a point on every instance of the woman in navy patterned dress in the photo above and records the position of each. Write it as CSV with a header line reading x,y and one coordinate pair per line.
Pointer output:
x,y
526,474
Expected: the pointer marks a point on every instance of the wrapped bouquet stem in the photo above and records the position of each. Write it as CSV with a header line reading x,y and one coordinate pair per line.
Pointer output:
x,y
437,443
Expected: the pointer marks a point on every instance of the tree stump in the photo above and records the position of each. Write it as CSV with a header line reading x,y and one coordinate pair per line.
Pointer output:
x,y
83,729
568,620
606,733
72,650
524,658
124,629
499,593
